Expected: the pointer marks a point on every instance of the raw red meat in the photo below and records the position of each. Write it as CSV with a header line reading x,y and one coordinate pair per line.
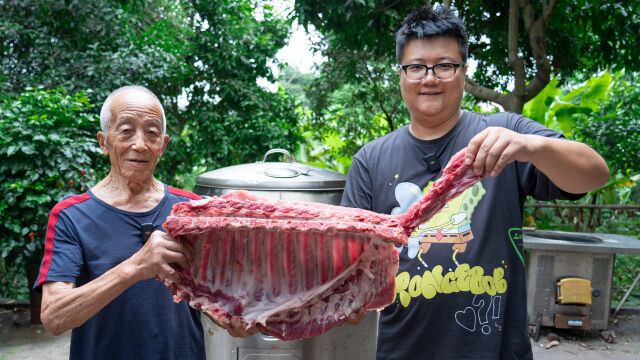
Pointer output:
x,y
296,269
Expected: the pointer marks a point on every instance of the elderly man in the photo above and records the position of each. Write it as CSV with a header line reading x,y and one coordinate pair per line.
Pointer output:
x,y
97,274
460,284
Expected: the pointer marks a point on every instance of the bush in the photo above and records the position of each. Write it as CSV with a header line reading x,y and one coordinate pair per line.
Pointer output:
x,y
47,150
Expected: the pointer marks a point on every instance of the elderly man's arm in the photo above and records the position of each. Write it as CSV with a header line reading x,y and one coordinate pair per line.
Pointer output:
x,y
65,307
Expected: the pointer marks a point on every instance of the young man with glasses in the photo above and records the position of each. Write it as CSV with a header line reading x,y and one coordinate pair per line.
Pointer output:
x,y
460,287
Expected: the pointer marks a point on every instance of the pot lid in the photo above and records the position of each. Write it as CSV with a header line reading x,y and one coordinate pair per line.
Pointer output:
x,y
264,175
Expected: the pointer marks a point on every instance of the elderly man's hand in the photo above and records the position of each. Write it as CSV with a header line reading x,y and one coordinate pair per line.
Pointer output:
x,y
159,257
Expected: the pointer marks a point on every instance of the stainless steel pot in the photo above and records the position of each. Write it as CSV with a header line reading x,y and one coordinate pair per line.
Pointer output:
x,y
286,180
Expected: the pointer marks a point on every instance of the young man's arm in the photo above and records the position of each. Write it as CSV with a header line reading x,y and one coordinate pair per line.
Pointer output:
x,y
572,166
358,188
65,307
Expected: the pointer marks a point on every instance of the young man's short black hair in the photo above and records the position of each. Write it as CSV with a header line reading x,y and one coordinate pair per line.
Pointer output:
x,y
429,22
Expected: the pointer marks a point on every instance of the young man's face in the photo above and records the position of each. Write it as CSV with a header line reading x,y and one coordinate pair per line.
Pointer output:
x,y
431,100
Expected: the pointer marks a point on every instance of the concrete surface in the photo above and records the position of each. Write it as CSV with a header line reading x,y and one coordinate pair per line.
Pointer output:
x,y
591,345
31,342
21,340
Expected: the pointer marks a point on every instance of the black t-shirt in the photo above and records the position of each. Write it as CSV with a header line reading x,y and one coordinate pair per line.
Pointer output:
x,y
460,287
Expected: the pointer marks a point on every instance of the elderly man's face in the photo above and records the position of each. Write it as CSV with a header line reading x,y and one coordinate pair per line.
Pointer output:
x,y
134,141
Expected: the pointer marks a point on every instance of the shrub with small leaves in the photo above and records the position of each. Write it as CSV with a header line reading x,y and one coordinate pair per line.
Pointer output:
x,y
47,150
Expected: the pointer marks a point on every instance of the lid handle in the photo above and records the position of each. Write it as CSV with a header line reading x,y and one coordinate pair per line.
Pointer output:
x,y
287,155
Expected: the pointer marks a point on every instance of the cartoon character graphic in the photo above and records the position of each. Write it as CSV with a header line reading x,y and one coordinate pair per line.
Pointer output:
x,y
451,225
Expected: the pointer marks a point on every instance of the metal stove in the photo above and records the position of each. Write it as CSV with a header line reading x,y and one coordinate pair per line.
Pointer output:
x,y
569,277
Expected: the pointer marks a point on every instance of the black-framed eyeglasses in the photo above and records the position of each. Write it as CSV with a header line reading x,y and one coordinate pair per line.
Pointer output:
x,y
416,72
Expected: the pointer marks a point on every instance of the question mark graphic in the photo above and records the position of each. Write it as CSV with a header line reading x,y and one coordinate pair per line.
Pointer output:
x,y
496,301
486,329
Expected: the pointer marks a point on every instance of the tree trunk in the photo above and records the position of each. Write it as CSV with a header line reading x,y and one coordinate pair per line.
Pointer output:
x,y
524,89
35,298
515,103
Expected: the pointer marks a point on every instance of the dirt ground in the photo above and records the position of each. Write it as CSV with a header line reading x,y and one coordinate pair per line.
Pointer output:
x,y
21,341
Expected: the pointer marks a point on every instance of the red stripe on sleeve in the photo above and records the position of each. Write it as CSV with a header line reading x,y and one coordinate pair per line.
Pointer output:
x,y
184,193
51,226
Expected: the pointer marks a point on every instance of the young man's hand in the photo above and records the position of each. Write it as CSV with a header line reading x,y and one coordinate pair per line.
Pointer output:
x,y
235,327
356,317
491,150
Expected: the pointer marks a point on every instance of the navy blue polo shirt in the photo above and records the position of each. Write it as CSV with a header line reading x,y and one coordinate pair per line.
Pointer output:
x,y
85,238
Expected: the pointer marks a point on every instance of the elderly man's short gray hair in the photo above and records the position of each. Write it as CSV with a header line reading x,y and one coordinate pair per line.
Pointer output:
x,y
105,112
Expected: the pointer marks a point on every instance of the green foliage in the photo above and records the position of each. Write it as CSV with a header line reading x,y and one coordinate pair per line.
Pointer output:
x,y
98,45
564,109
295,83
614,131
201,58
359,44
602,112
13,282
228,118
347,114
47,150
626,269
343,127
472,104
324,146
538,107
600,36
332,138
583,37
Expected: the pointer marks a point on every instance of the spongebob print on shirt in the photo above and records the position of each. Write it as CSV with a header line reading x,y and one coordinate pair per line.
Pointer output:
x,y
450,227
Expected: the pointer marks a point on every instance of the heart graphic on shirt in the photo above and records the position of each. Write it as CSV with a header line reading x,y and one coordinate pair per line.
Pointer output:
x,y
467,318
